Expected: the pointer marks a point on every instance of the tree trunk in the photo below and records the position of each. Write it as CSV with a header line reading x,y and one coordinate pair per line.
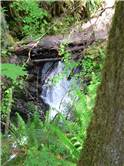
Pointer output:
x,y
105,140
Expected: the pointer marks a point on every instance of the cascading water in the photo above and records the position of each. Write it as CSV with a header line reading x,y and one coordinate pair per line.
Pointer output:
x,y
58,96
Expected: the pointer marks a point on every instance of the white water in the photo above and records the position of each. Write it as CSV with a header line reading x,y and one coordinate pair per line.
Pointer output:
x,y
58,96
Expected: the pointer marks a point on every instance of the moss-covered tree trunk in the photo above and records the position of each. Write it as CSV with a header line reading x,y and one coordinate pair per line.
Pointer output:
x,y
6,38
105,141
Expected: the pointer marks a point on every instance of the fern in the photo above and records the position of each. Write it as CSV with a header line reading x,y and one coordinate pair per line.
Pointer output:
x,y
65,140
12,71
34,19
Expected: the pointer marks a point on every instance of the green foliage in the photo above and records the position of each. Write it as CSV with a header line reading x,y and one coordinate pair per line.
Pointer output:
x,y
6,102
12,71
65,141
38,142
2,10
94,57
77,9
32,18
92,6
91,63
75,12
5,53
61,25
57,142
51,17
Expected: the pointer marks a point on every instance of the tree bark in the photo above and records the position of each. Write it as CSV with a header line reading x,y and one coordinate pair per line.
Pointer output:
x,y
105,140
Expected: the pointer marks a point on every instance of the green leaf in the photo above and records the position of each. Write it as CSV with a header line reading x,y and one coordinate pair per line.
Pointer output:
x,y
65,140
12,71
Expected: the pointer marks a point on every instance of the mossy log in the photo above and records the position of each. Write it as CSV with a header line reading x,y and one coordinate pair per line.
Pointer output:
x,y
48,47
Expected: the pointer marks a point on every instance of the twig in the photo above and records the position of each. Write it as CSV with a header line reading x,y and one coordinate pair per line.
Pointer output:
x,y
47,60
29,53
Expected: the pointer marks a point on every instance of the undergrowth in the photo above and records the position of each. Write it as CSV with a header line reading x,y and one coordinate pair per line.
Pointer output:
x,y
31,18
58,141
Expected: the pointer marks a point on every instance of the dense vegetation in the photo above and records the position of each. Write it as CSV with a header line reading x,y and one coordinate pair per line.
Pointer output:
x,y
56,142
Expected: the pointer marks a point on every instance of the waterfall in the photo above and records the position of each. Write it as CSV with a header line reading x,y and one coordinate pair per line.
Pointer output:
x,y
58,96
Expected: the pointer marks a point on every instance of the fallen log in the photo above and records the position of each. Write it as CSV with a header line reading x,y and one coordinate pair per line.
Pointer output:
x,y
78,39
49,46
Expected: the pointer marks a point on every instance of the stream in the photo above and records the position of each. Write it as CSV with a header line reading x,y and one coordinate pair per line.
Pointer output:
x,y
59,96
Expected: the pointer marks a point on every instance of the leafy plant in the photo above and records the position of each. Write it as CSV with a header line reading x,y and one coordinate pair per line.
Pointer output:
x,y
57,142
54,142
92,5
12,71
90,77
33,19
39,140
61,25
